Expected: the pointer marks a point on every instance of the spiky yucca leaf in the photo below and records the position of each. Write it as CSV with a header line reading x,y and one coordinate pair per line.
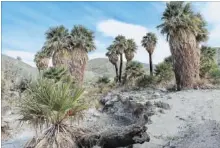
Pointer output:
x,y
49,104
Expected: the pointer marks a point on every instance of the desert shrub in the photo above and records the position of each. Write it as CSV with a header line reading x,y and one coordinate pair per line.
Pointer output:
x,y
103,80
164,72
133,72
147,81
215,76
48,104
168,60
21,84
207,60
19,58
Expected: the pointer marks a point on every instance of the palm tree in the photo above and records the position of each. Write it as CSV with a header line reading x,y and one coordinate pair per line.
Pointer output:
x,y
181,27
120,45
130,50
42,60
113,58
149,42
133,72
74,49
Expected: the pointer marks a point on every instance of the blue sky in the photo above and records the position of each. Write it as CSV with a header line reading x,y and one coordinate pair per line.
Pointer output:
x,y
24,24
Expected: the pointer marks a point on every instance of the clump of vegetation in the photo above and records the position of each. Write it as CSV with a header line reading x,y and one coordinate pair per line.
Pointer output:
x,y
133,72
147,81
104,84
19,58
22,83
59,74
51,104
207,61
103,80
215,76
164,72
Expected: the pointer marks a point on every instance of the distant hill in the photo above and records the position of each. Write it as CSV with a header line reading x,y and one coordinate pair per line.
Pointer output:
x,y
13,69
102,67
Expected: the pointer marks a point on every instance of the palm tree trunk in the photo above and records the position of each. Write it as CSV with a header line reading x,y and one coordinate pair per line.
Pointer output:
x,y
116,70
75,61
151,64
183,46
121,64
197,66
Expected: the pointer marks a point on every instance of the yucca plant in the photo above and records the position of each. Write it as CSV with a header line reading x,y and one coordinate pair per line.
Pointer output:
x,y
48,106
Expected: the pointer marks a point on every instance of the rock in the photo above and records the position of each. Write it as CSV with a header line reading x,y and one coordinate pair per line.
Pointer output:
x,y
161,104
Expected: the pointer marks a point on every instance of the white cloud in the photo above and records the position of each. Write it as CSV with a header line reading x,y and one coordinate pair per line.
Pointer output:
x,y
112,28
27,57
211,11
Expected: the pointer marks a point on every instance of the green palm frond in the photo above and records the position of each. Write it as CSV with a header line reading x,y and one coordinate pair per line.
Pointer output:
x,y
178,16
149,41
120,44
82,38
131,46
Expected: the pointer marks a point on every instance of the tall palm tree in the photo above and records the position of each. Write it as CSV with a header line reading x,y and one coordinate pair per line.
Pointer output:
x,y
113,58
130,50
149,42
120,44
181,27
75,49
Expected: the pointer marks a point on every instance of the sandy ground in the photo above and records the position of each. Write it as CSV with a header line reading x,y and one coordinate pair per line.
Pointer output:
x,y
192,121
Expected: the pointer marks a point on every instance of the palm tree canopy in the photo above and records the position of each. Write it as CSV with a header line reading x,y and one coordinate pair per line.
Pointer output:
x,y
112,54
40,55
120,44
149,41
131,46
178,16
55,39
202,36
82,38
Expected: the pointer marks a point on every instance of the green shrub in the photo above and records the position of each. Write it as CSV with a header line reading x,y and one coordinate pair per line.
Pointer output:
x,y
21,84
51,104
133,72
147,81
207,60
215,75
164,72
103,80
